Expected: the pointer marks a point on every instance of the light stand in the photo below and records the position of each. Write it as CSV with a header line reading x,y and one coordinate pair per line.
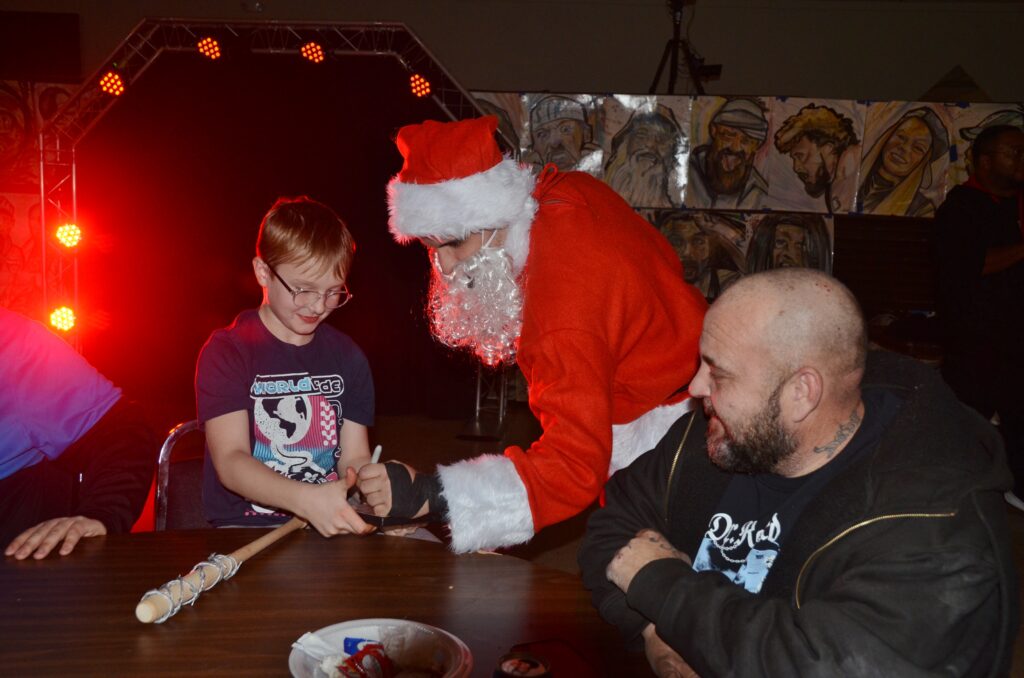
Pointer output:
x,y
678,45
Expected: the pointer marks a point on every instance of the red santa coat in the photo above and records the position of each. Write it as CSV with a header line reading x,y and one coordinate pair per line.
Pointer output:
x,y
610,331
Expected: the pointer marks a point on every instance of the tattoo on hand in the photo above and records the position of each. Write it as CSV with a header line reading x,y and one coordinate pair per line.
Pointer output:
x,y
842,435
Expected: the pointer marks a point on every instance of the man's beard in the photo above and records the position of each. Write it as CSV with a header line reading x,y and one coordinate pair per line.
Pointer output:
x,y
479,306
816,187
562,156
640,182
693,270
758,447
723,181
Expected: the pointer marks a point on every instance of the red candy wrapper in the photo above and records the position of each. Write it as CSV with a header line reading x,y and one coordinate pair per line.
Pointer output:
x,y
369,662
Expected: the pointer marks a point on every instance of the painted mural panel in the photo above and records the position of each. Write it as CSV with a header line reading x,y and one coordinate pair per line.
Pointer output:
x,y
510,109
968,121
716,248
814,160
646,147
564,129
903,168
729,145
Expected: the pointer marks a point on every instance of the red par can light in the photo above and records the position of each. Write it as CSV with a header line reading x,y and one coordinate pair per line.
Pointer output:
x,y
69,235
62,318
419,85
112,84
209,48
313,52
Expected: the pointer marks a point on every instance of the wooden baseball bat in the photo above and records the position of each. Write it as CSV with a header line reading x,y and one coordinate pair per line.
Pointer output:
x,y
183,590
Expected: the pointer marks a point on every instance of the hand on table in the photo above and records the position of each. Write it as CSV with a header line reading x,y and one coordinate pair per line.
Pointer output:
x,y
38,541
664,661
326,508
646,546
375,486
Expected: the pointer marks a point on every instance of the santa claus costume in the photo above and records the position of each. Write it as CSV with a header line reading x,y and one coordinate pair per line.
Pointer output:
x,y
609,335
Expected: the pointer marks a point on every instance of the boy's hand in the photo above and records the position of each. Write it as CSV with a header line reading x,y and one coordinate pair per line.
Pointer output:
x,y
39,540
326,508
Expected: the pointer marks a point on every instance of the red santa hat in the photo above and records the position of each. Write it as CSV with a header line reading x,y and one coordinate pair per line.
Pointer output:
x,y
455,181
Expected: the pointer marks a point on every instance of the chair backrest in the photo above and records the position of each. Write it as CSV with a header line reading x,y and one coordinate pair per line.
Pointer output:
x,y
179,479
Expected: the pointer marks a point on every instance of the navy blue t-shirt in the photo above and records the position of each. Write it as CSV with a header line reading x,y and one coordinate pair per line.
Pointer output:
x,y
296,397
756,512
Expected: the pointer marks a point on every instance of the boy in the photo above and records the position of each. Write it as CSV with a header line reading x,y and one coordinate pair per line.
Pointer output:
x,y
285,400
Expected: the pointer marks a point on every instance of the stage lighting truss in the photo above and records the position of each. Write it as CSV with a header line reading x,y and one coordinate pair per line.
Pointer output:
x,y
151,38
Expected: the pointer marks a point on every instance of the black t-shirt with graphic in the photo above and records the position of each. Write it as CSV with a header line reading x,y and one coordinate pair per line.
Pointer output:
x,y
296,398
753,517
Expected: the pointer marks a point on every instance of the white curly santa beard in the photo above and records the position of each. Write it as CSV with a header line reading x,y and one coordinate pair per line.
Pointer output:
x,y
478,306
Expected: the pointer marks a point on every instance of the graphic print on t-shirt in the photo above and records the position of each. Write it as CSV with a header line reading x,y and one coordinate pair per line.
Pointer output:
x,y
743,552
296,419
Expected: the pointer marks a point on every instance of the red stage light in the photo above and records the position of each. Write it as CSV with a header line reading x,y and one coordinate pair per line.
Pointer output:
x,y
313,52
112,84
419,84
63,318
69,235
209,48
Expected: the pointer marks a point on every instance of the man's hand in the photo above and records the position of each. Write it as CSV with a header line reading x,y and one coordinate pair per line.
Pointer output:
x,y
665,661
326,508
375,486
38,541
646,546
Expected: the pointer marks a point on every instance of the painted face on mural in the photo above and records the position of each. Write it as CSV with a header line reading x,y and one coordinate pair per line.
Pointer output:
x,y
559,142
906,148
730,159
789,248
815,164
692,246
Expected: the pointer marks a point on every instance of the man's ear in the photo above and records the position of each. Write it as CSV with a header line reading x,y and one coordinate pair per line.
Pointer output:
x,y
805,389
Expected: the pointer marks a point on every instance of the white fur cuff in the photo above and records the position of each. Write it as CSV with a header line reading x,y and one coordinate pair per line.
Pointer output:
x,y
487,503
642,434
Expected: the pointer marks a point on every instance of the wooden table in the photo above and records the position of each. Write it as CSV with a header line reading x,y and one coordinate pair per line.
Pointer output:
x,y
74,616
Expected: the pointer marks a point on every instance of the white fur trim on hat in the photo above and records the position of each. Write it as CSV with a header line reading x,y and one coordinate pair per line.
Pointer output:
x,y
451,210
631,440
487,503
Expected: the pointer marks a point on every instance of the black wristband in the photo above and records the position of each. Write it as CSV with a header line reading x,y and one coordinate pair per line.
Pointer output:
x,y
408,495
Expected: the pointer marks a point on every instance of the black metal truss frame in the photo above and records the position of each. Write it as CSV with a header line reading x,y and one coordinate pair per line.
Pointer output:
x,y
59,138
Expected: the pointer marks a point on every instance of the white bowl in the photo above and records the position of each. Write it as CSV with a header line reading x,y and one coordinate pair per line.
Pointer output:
x,y
411,645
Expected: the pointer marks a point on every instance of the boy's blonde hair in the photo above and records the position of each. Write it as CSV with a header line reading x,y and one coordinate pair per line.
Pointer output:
x,y
297,229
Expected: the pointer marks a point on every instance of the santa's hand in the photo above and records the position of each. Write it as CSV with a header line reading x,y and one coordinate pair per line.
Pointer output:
x,y
646,546
375,487
326,508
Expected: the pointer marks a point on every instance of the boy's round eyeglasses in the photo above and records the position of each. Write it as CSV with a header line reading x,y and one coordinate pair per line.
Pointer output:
x,y
305,298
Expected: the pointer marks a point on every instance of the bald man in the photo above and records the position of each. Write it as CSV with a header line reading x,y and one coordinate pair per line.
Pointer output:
x,y
828,513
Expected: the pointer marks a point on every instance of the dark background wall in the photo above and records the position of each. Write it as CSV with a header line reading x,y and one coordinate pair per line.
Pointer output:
x,y
843,49
174,181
